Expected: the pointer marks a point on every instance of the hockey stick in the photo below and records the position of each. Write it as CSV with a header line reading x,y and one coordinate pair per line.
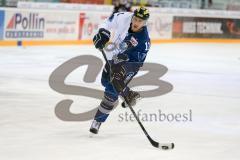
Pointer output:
x,y
164,146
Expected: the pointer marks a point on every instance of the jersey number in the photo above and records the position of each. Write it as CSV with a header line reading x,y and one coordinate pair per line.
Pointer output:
x,y
147,44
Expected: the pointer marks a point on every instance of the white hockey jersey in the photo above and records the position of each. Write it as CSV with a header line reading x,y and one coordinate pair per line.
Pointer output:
x,y
118,24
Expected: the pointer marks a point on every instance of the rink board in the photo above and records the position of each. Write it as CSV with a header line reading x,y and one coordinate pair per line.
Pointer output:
x,y
68,27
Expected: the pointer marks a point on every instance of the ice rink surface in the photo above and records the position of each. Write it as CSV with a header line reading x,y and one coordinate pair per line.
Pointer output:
x,y
206,80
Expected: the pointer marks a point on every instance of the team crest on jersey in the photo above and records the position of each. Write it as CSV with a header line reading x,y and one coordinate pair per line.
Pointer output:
x,y
133,41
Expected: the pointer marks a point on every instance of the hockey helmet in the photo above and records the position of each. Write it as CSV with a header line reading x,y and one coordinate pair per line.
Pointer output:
x,y
142,13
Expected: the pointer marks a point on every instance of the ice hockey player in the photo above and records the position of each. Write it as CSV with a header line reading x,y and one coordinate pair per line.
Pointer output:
x,y
126,52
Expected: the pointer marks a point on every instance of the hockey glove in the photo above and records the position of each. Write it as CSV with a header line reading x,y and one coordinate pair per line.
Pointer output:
x,y
101,38
117,59
117,77
131,97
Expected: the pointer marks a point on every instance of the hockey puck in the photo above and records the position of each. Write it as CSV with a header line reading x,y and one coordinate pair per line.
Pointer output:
x,y
166,147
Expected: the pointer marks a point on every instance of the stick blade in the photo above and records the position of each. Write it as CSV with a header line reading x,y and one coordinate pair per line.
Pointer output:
x,y
163,146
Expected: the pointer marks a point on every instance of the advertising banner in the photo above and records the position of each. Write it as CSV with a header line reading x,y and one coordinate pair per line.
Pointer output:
x,y
36,25
2,15
160,26
64,25
203,27
89,22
